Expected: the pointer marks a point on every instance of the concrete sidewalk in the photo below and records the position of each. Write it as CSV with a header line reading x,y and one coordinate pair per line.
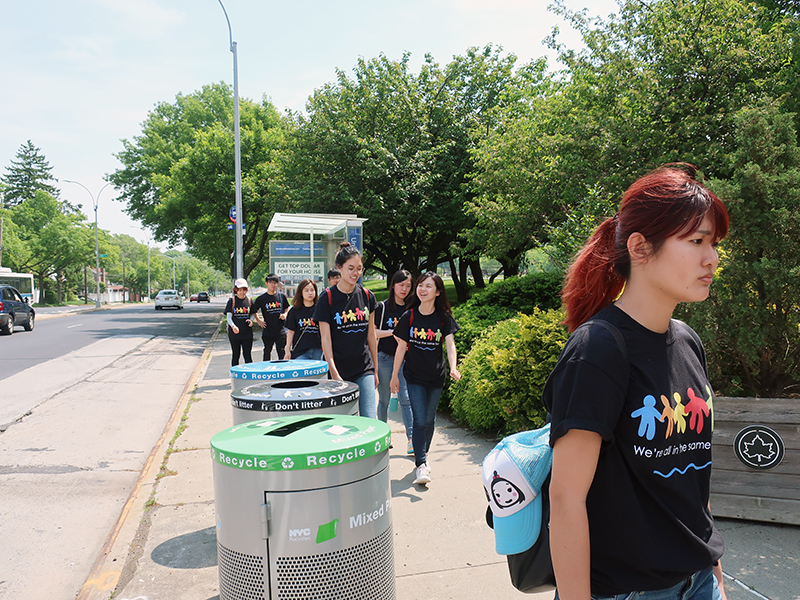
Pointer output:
x,y
164,546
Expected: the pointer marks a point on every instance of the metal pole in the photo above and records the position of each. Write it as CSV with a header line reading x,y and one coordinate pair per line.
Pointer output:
x,y
237,154
95,201
148,270
123,278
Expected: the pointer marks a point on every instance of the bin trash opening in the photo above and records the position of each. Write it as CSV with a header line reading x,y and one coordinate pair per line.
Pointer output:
x,y
297,426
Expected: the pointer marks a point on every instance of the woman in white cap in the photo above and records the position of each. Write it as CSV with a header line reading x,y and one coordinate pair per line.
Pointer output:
x,y
240,326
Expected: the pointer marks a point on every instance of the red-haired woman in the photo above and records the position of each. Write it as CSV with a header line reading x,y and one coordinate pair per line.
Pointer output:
x,y
630,481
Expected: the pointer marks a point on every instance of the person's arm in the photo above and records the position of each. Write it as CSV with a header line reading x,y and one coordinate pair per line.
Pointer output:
x,y
327,349
255,309
718,571
372,343
452,359
399,357
574,463
229,318
288,307
289,337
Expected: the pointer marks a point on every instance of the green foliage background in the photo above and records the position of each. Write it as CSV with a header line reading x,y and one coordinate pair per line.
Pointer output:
x,y
504,374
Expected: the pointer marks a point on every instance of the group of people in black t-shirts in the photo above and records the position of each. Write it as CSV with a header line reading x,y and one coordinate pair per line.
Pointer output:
x,y
392,347
615,458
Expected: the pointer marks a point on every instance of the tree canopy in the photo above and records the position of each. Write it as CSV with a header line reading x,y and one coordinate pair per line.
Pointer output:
x,y
393,146
26,175
178,176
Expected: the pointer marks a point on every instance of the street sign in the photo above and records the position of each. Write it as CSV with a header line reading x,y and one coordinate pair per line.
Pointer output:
x,y
103,255
232,225
232,215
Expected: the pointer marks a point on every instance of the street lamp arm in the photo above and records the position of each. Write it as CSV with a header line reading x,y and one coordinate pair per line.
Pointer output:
x,y
95,200
230,31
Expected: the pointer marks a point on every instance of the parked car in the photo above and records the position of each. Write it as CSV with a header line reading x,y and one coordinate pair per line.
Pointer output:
x,y
14,311
193,298
203,297
169,298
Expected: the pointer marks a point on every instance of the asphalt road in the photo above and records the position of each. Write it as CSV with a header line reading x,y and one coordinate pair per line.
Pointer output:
x,y
55,337
84,399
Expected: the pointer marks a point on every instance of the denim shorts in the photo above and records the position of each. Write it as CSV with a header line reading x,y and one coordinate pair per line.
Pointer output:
x,y
700,586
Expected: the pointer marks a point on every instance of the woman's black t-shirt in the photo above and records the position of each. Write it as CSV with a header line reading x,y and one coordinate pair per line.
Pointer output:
x,y
240,311
649,522
387,318
348,317
425,334
306,331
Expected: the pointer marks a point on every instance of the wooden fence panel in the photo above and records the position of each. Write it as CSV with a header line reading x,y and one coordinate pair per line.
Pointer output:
x,y
742,492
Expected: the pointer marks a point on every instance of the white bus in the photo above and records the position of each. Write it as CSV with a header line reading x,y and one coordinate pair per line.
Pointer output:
x,y
22,281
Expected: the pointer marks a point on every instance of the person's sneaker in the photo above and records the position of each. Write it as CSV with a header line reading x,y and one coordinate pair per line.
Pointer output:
x,y
423,474
410,447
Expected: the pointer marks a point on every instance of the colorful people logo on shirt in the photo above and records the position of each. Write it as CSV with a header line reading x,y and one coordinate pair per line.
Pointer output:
x,y
675,417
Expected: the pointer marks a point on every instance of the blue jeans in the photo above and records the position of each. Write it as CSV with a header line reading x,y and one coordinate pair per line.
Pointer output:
x,y
700,586
311,354
366,395
424,401
385,367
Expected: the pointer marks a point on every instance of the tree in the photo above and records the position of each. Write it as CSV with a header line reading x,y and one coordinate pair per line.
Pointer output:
x,y
53,241
26,175
751,327
660,82
393,146
178,176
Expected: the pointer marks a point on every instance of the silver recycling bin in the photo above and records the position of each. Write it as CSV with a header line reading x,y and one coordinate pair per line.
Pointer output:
x,y
294,396
275,370
304,509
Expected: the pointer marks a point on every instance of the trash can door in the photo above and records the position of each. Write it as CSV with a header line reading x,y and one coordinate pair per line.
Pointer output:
x,y
334,542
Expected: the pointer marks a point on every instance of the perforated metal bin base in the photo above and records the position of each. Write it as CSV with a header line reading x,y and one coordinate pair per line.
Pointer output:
x,y
362,572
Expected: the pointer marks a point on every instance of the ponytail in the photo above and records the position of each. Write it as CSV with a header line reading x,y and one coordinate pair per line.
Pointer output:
x,y
592,282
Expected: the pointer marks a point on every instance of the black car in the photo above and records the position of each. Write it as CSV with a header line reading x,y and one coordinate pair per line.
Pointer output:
x,y
203,297
14,311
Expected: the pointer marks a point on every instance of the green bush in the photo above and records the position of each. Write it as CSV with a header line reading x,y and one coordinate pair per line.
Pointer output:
x,y
504,374
502,300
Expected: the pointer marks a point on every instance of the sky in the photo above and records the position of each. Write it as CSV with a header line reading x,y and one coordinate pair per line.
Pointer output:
x,y
79,76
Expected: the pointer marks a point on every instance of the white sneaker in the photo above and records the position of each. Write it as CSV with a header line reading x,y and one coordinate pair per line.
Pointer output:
x,y
423,474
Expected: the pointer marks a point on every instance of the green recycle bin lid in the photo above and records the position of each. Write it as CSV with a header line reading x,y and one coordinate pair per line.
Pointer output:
x,y
300,442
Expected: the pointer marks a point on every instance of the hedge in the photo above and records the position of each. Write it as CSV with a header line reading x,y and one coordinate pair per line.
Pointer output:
x,y
504,373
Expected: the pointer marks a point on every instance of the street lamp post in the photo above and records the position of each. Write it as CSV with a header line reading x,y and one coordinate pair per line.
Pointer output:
x,y
173,270
148,269
237,153
95,200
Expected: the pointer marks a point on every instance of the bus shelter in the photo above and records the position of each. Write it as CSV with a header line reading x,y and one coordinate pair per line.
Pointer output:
x,y
311,257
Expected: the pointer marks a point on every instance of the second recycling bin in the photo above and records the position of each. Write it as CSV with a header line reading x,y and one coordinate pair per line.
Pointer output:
x,y
304,509
276,370
294,397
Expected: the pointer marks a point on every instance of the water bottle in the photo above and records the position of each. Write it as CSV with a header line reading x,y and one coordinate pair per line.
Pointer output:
x,y
393,402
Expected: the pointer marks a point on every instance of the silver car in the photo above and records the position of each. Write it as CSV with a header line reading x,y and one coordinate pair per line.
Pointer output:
x,y
169,298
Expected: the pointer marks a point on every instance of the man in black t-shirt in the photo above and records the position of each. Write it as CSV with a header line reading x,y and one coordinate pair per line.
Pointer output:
x,y
273,306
